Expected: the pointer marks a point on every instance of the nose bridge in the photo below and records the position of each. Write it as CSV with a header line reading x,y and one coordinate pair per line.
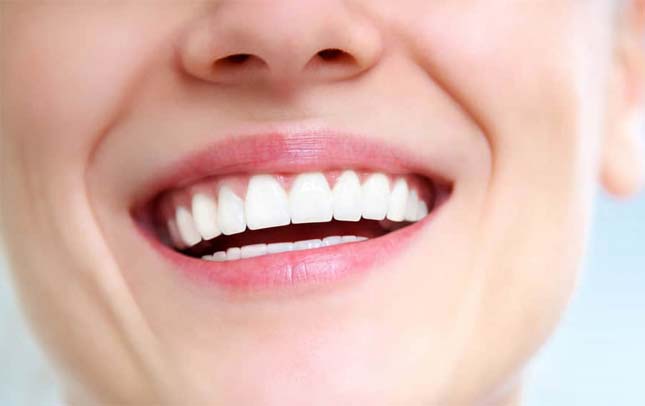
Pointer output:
x,y
280,40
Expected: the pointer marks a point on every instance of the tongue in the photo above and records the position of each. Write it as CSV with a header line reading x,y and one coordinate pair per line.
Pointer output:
x,y
290,233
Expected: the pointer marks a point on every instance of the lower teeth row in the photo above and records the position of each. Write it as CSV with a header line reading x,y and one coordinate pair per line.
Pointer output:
x,y
258,250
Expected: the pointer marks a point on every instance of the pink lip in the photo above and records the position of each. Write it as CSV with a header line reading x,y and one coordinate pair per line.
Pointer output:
x,y
294,269
288,153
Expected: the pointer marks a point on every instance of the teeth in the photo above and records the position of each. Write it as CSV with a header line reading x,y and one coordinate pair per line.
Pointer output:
x,y
186,227
307,245
267,204
280,247
173,230
398,201
252,251
333,240
310,199
233,254
347,197
422,210
258,250
230,212
205,215
219,256
412,206
376,196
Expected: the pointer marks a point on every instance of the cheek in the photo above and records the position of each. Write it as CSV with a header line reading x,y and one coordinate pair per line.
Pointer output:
x,y
536,93
537,96
67,70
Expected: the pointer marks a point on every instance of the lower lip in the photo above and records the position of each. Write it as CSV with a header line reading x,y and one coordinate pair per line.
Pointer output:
x,y
295,269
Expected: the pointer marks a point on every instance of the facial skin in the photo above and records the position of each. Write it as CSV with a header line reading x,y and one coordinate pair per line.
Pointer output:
x,y
524,103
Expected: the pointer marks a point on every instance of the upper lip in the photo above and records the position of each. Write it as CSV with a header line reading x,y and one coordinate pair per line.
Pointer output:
x,y
285,151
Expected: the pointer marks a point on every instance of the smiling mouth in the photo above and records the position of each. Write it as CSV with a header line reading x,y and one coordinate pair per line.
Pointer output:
x,y
271,214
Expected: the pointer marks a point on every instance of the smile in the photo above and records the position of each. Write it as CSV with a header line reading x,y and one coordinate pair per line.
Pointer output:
x,y
301,215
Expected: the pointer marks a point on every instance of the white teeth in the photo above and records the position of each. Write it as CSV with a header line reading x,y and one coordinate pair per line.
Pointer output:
x,y
233,254
333,240
398,201
279,247
422,210
219,256
347,197
267,204
258,250
310,199
252,251
412,206
205,215
376,197
230,212
307,245
186,227
173,230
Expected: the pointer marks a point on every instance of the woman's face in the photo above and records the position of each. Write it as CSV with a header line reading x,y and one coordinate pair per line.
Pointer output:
x,y
116,115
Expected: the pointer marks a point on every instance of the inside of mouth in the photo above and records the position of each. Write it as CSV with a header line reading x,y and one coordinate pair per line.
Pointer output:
x,y
244,216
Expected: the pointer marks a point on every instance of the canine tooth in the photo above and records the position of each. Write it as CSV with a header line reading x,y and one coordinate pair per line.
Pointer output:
x,y
233,253
307,245
361,239
412,206
267,204
333,240
398,201
375,197
219,256
349,238
278,248
186,226
347,197
310,199
252,251
422,211
207,258
205,215
230,212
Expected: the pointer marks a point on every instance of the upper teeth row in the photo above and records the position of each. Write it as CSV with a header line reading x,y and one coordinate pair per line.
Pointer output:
x,y
310,200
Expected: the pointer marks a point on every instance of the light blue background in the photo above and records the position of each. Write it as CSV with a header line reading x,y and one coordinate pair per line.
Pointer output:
x,y
597,357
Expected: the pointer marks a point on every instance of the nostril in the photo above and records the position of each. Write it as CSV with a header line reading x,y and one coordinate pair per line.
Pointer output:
x,y
235,67
335,55
237,61
333,64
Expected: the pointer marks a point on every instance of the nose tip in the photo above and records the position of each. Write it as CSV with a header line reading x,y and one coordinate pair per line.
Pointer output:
x,y
281,41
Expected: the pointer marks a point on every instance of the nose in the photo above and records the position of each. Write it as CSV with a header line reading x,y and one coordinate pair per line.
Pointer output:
x,y
279,42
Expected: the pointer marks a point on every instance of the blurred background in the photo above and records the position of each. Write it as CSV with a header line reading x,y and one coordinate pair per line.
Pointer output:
x,y
596,358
